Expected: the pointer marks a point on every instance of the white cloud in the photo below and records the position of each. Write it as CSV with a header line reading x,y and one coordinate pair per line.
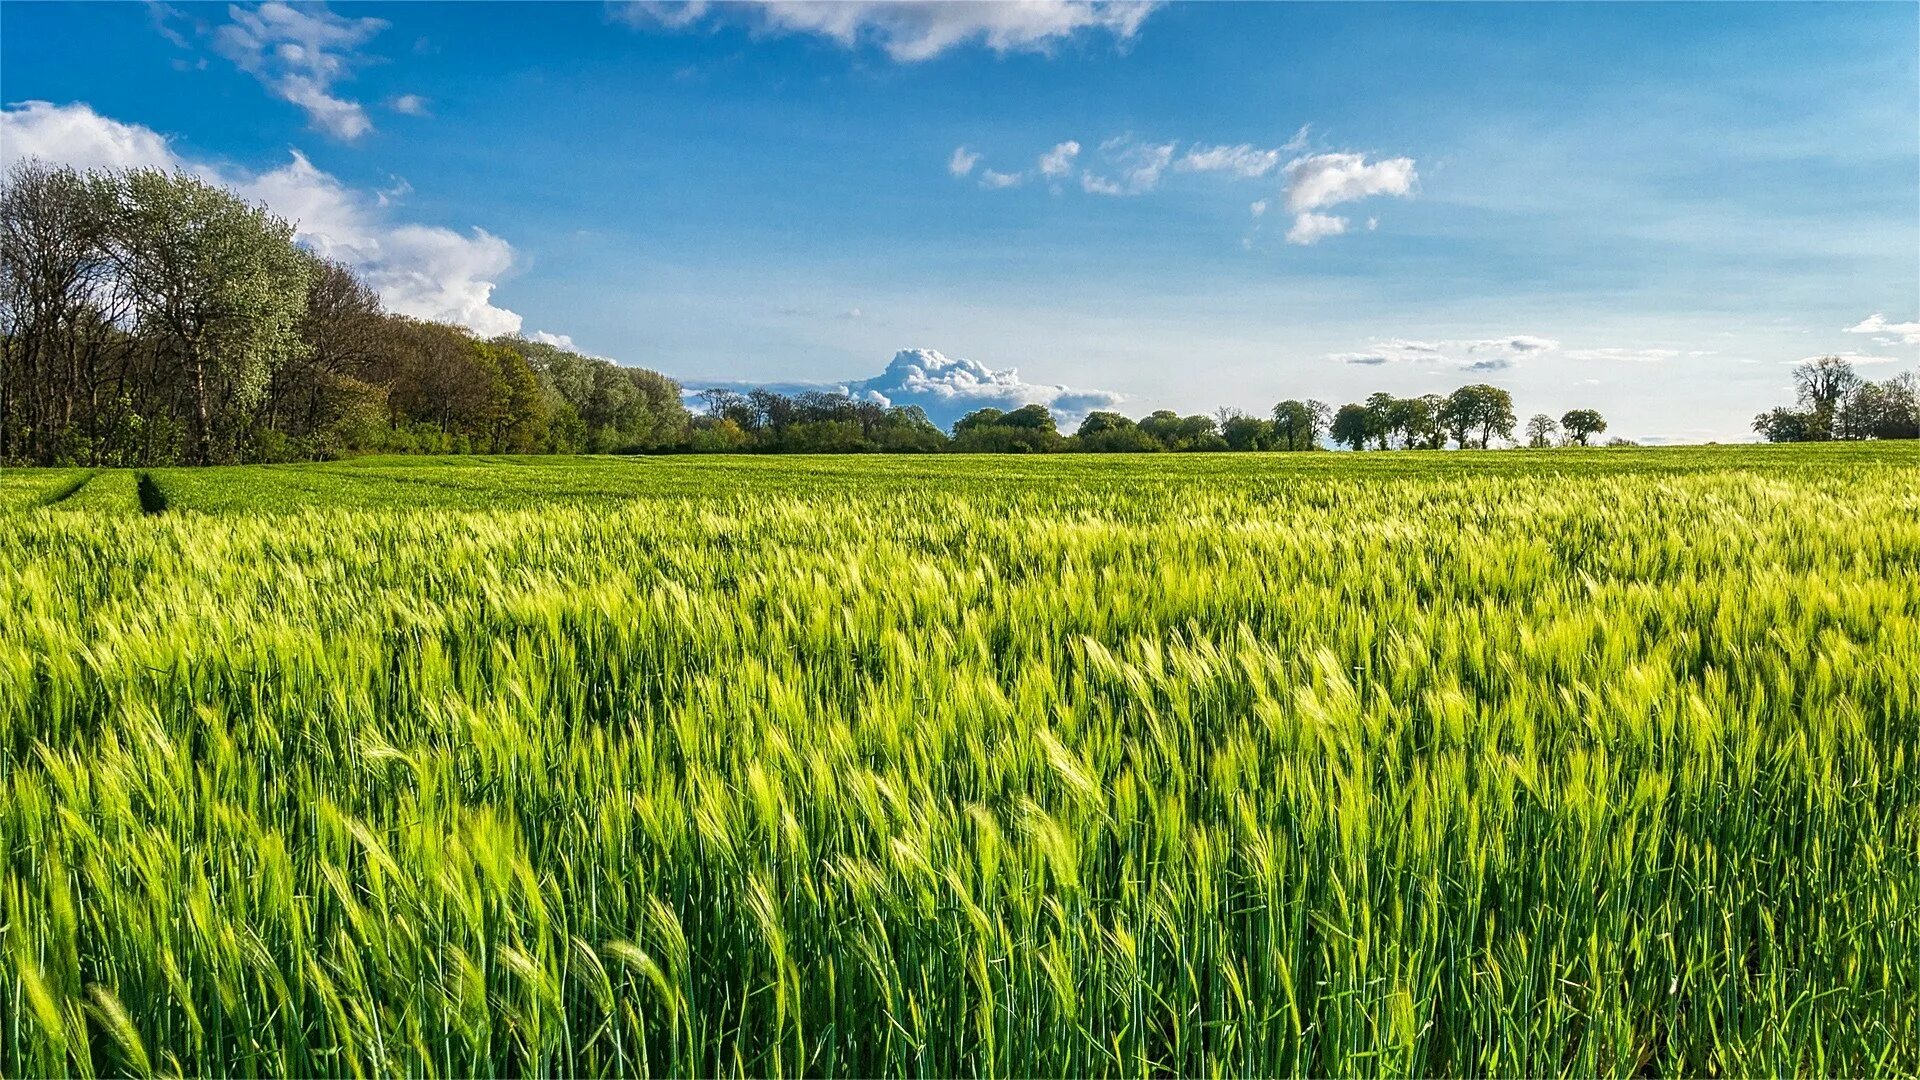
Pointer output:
x,y
948,388
912,32
992,179
1475,354
76,135
1244,160
1323,180
1635,355
1312,228
425,271
962,161
1908,333
1058,162
1259,207
558,341
1857,359
409,105
1140,165
298,54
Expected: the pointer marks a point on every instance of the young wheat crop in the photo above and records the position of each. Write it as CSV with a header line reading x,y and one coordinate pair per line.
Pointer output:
x,y
1505,764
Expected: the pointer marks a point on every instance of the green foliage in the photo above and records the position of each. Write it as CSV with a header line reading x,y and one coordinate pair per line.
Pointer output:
x,y
1111,433
1836,403
1582,425
1026,430
1308,764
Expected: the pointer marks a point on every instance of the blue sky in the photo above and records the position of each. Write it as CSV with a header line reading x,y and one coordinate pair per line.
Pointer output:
x,y
1651,209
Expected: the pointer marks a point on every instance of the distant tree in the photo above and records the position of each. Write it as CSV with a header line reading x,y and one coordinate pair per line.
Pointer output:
x,y
977,420
730,405
1834,402
1026,430
1885,410
1176,432
1583,424
1480,406
906,429
1456,416
1823,384
1105,432
1353,426
1298,425
1786,425
1383,418
1430,433
1540,431
1243,432
1034,417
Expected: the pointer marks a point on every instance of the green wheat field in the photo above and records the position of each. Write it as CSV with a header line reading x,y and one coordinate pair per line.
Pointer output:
x,y
1564,763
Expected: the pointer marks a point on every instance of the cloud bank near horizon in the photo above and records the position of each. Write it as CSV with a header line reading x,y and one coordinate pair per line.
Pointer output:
x,y
945,388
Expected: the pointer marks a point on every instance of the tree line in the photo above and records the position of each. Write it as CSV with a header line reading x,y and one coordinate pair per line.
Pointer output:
x,y
1834,402
150,318
1474,417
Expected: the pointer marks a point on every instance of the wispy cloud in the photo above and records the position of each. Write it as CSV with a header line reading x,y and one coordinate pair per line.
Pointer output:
x,y
1471,354
962,161
911,32
299,53
1904,333
1138,165
1245,160
1057,163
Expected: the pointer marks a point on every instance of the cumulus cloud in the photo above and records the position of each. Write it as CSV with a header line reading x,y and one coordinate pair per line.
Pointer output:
x,y
1318,181
962,161
1139,165
76,135
558,341
947,388
1905,333
1312,228
425,271
912,32
1323,180
1245,160
1057,163
991,179
1474,354
409,105
299,53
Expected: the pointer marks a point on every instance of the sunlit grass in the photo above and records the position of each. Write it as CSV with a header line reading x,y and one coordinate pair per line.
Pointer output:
x,y
1514,764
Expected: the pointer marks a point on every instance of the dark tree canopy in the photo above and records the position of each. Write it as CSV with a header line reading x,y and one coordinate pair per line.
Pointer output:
x,y
152,318
1834,402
